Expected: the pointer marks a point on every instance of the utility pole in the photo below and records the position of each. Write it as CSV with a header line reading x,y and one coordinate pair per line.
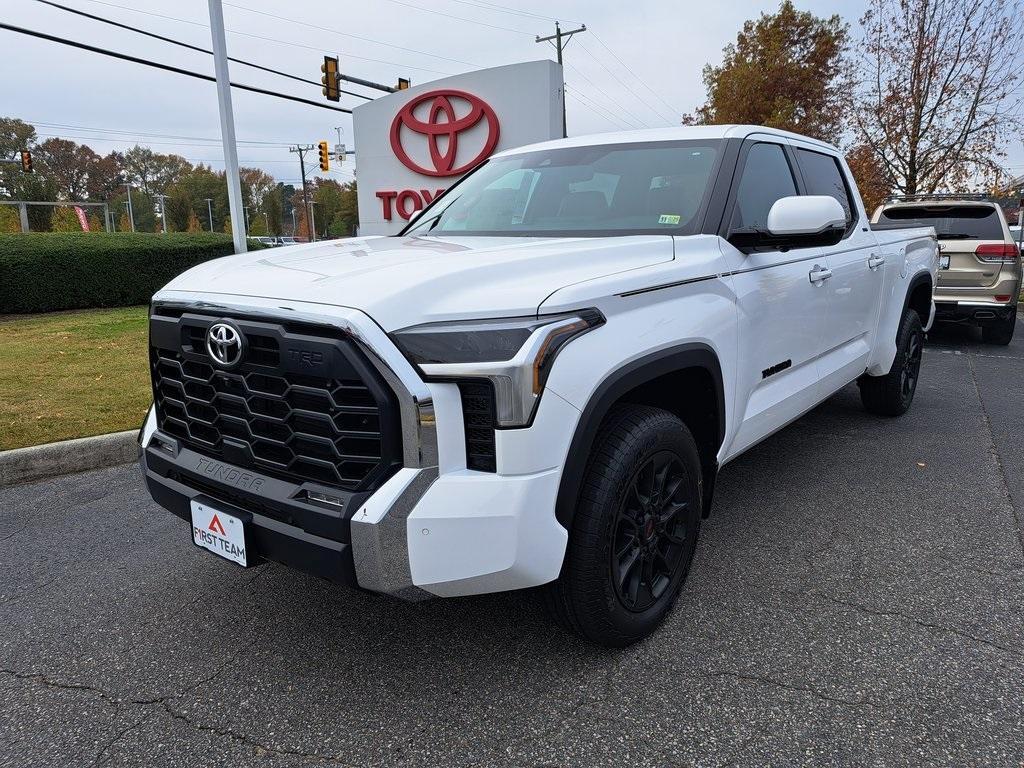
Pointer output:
x,y
312,219
131,211
247,219
209,210
163,211
293,221
559,40
227,124
302,150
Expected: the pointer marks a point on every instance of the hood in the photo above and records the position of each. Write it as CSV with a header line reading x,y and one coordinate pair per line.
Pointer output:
x,y
402,281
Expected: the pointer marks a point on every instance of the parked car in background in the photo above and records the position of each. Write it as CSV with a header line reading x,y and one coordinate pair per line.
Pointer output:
x,y
980,264
1017,233
287,240
537,381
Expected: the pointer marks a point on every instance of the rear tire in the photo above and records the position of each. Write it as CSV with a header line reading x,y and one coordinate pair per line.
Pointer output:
x,y
635,529
892,394
1001,331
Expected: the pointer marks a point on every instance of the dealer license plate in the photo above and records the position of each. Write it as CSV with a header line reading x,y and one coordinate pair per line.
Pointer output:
x,y
219,532
943,262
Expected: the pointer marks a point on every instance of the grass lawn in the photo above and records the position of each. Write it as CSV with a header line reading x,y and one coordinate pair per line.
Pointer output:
x,y
72,374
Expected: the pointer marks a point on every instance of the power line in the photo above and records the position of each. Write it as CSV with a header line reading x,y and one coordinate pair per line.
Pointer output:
x,y
283,42
596,108
634,74
46,124
625,87
191,47
460,18
165,67
632,120
322,28
515,11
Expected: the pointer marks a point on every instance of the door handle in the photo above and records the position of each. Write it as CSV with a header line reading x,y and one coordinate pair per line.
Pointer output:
x,y
874,262
818,274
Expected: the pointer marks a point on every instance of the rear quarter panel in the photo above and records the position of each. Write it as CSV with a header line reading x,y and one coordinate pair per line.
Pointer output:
x,y
910,256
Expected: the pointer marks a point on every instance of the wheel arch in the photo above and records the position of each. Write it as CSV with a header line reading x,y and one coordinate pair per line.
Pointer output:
x,y
919,296
649,380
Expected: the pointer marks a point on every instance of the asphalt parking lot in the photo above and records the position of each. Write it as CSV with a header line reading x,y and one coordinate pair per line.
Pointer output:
x,y
856,599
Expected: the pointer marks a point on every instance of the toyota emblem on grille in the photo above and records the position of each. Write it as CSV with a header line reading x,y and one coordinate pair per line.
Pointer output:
x,y
224,343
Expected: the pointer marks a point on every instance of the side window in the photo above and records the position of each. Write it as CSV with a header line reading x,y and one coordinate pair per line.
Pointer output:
x,y
766,178
823,176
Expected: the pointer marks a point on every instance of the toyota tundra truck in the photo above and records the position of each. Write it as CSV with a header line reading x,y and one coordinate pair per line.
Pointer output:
x,y
536,383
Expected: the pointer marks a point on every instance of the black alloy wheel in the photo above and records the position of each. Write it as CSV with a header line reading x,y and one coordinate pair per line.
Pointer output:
x,y
650,532
911,365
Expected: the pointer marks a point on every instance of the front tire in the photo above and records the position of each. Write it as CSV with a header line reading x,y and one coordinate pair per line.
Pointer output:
x,y
892,394
1001,331
635,529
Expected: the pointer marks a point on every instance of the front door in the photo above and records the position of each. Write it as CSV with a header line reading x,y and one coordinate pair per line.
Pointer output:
x,y
780,310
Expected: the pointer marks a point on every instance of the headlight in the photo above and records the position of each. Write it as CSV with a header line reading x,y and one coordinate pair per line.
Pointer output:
x,y
515,354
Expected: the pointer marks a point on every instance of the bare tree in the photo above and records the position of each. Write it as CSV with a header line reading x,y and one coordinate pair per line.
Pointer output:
x,y
938,96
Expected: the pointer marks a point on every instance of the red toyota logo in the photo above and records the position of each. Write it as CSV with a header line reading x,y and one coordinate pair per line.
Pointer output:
x,y
434,127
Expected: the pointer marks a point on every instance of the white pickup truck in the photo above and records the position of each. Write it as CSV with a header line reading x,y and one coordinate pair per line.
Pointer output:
x,y
538,381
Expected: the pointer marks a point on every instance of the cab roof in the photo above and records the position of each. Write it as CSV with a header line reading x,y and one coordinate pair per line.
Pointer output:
x,y
675,133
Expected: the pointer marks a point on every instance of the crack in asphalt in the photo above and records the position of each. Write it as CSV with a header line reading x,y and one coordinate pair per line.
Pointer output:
x,y
25,593
120,735
12,535
907,617
994,452
762,679
248,740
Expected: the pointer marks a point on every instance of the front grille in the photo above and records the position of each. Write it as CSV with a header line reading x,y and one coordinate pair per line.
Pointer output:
x,y
299,406
478,415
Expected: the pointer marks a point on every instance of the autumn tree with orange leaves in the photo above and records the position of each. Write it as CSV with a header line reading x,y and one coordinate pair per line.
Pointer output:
x,y
786,70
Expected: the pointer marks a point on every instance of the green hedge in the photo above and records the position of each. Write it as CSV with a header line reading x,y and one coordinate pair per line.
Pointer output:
x,y
48,271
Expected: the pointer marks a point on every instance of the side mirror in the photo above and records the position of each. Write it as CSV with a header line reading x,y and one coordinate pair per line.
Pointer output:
x,y
800,221
805,215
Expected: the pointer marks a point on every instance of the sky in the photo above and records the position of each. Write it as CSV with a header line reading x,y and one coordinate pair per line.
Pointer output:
x,y
638,65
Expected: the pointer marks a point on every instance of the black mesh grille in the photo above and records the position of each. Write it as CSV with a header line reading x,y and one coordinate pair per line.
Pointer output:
x,y
335,425
478,420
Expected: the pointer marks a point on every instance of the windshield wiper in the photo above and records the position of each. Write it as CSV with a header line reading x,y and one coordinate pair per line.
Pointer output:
x,y
955,236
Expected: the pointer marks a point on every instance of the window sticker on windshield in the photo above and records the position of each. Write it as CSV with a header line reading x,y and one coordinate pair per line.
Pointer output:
x,y
668,218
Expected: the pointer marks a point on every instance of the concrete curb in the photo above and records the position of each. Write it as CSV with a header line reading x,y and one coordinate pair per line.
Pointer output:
x,y
22,465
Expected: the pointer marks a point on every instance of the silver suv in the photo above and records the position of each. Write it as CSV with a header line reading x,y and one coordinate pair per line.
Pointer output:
x,y
980,263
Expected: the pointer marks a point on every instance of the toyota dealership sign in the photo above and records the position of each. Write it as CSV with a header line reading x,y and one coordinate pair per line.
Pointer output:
x,y
414,144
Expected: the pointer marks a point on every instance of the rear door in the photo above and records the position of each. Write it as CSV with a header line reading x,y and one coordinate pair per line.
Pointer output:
x,y
780,309
855,286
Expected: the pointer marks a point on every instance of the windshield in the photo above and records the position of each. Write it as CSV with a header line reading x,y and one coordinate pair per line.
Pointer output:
x,y
951,222
617,189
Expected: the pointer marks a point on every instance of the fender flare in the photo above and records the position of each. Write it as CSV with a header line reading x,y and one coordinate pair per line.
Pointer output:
x,y
614,386
920,277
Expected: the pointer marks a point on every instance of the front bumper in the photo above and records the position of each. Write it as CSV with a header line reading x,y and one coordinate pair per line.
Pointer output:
x,y
434,527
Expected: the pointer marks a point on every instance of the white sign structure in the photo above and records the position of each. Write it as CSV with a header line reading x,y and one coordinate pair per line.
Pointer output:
x,y
413,144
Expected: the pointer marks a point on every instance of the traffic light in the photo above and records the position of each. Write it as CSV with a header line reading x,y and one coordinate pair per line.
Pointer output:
x,y
330,78
325,156
26,161
404,83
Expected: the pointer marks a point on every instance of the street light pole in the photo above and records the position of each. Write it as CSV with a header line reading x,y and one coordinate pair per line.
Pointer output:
x,y
131,212
227,123
209,210
163,212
